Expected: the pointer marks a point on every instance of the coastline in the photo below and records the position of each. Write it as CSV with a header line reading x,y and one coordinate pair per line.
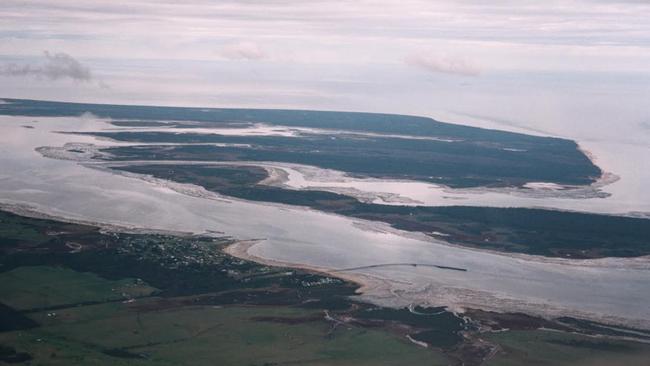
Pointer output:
x,y
240,249
373,289
192,190
381,290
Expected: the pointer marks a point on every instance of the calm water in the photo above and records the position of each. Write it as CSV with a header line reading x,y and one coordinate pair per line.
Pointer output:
x,y
617,289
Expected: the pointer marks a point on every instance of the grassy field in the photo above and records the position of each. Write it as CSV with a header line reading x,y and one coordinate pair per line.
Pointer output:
x,y
12,231
37,287
142,333
560,349
92,306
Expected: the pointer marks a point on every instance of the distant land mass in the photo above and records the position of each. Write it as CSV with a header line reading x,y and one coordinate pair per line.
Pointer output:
x,y
367,144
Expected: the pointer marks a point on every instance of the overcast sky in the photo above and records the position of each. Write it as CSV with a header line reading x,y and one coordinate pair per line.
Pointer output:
x,y
537,64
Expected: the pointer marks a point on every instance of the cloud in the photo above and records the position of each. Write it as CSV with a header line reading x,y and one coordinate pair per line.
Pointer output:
x,y
55,66
442,64
243,51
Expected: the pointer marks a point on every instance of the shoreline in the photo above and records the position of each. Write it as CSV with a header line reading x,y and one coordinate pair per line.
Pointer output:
x,y
371,289
380,288
32,211
379,291
278,174
196,191
240,249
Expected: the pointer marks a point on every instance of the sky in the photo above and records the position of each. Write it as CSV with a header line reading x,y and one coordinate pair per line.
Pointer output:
x,y
575,68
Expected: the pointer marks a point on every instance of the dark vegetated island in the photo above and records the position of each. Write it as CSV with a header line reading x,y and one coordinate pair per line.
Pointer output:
x,y
365,144
521,230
